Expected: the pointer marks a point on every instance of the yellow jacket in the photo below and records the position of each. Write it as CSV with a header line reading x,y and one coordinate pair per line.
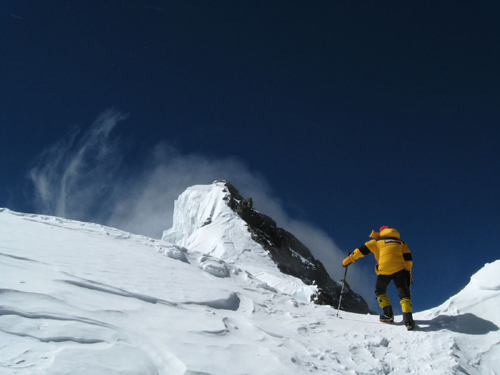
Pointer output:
x,y
392,254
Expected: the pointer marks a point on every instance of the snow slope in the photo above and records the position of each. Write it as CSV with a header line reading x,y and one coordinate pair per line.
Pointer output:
x,y
80,298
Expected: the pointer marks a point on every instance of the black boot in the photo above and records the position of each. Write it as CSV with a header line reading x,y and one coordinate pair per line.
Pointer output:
x,y
388,315
408,320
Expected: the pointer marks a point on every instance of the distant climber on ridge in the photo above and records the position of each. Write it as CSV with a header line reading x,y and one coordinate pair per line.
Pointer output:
x,y
394,262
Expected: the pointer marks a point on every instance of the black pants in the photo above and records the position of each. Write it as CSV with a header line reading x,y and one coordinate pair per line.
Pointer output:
x,y
401,280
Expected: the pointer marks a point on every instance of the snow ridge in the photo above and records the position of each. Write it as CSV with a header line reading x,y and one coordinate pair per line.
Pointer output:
x,y
205,224
217,221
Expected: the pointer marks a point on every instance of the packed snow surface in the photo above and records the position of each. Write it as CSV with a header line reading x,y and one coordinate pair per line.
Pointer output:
x,y
80,298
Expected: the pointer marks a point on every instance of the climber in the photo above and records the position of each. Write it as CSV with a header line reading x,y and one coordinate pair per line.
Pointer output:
x,y
394,262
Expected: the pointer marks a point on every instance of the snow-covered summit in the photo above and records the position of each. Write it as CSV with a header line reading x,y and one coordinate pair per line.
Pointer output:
x,y
204,224
202,219
217,221
198,206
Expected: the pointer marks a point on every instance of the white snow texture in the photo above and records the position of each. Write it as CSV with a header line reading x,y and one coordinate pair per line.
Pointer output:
x,y
81,298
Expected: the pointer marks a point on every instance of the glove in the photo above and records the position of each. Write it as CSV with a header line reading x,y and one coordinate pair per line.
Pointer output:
x,y
348,260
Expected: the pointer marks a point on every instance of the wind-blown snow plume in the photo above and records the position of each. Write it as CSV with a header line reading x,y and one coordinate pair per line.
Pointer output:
x,y
73,175
83,177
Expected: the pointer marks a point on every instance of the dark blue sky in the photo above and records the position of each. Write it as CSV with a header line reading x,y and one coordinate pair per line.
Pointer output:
x,y
358,114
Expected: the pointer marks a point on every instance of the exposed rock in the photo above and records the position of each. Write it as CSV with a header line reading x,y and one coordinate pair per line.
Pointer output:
x,y
291,256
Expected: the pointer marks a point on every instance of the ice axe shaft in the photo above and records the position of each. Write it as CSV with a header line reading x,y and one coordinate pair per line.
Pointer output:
x,y
342,290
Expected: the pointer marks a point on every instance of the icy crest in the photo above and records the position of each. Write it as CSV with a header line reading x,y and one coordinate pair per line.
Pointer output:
x,y
197,207
205,224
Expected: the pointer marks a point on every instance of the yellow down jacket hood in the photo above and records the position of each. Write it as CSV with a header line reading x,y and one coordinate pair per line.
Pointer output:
x,y
391,253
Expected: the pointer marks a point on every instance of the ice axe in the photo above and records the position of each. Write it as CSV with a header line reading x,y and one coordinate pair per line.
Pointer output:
x,y
342,290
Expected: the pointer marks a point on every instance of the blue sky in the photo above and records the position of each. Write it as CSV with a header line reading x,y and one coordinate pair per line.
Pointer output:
x,y
348,115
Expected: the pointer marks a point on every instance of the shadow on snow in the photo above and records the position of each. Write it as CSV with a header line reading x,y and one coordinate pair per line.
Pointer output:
x,y
468,324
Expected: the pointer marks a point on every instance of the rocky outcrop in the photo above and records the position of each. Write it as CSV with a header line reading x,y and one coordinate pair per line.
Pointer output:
x,y
291,256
